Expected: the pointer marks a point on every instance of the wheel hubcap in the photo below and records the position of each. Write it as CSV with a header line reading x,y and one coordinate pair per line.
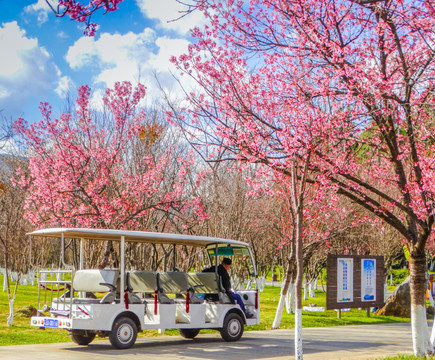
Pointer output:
x,y
234,327
125,333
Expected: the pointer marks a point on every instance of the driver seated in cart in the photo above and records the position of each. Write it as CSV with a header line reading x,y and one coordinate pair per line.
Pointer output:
x,y
222,271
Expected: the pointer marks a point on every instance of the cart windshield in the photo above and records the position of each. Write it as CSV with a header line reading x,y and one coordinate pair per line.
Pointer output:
x,y
242,271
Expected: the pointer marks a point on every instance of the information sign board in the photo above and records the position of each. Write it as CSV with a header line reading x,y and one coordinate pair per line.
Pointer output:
x,y
355,281
344,280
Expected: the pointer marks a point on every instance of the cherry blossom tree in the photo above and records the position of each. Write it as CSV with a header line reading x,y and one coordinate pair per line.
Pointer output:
x,y
297,188
86,175
82,11
354,76
323,217
361,70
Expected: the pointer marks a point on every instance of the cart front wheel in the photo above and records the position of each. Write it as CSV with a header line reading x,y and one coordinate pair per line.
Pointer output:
x,y
233,327
124,333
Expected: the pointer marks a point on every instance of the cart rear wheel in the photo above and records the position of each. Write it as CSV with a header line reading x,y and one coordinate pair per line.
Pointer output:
x,y
188,333
233,327
124,333
82,337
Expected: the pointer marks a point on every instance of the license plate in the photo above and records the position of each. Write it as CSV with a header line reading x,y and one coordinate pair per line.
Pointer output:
x,y
51,323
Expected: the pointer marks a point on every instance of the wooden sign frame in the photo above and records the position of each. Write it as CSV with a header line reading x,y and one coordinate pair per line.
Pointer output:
x,y
355,282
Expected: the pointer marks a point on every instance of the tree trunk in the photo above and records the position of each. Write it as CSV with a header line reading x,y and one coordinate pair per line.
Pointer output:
x,y
10,319
298,287
281,303
420,332
11,299
306,285
107,253
312,288
279,310
5,280
290,301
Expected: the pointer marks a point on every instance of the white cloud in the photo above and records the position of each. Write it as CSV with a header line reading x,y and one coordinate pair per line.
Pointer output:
x,y
64,86
15,46
167,48
41,9
130,57
26,68
81,52
167,12
110,49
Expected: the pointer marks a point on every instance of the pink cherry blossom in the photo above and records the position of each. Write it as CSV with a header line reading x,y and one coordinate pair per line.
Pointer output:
x,y
82,11
87,175
346,83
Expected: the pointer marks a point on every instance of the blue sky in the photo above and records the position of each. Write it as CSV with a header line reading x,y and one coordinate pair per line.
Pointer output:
x,y
44,58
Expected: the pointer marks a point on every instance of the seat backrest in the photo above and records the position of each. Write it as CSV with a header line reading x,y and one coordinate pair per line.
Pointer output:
x,y
204,282
173,282
91,280
142,281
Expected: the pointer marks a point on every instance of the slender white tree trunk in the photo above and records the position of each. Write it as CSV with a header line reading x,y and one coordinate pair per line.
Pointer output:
x,y
298,193
279,310
282,300
420,334
10,319
298,334
311,288
290,303
11,297
260,283
5,281
298,287
305,289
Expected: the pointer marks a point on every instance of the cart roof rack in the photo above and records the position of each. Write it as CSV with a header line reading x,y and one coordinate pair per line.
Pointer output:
x,y
134,236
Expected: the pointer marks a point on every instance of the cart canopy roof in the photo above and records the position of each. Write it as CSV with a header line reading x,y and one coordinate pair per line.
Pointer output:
x,y
135,236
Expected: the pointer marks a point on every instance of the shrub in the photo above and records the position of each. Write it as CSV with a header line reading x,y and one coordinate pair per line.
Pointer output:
x,y
399,275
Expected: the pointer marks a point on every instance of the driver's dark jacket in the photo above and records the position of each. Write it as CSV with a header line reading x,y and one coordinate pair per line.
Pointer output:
x,y
225,279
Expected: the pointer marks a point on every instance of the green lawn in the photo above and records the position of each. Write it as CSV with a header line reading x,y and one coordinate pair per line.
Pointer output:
x,y
407,357
22,333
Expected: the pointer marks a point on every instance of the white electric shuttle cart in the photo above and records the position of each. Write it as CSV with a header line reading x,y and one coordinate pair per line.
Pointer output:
x,y
188,302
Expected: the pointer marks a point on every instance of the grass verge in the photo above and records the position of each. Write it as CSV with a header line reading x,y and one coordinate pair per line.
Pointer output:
x,y
22,333
407,357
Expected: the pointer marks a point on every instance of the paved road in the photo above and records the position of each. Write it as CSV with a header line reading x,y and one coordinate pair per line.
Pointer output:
x,y
340,342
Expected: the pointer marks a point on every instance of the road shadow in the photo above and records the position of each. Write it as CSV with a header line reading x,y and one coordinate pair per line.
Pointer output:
x,y
198,348
210,348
